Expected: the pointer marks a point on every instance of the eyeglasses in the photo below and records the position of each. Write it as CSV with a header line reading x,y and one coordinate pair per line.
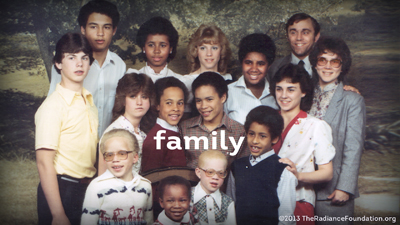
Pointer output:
x,y
121,155
211,172
335,63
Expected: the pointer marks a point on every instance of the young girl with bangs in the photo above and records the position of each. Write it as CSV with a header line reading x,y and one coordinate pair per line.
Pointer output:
x,y
132,110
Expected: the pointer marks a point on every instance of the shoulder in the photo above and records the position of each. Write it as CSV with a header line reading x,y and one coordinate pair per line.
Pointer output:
x,y
353,98
189,122
144,181
116,58
226,198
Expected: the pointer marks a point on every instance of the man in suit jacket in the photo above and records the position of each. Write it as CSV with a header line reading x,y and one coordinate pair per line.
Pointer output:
x,y
302,32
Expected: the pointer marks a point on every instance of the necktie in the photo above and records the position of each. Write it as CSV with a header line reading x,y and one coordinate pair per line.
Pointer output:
x,y
301,63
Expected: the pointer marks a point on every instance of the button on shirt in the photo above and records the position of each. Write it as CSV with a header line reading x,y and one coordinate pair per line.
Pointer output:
x,y
102,83
241,100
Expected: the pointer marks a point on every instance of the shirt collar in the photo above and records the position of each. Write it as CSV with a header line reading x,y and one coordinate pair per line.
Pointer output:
x,y
163,219
260,158
166,125
149,70
306,60
69,95
199,193
241,83
329,87
108,175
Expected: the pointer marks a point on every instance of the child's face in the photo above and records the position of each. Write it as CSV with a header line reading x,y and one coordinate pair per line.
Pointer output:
x,y
157,50
259,139
99,31
120,166
171,105
209,55
74,67
213,183
288,95
254,68
136,106
209,104
175,201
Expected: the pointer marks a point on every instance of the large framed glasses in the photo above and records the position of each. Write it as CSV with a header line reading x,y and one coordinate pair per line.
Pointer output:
x,y
211,172
335,63
121,155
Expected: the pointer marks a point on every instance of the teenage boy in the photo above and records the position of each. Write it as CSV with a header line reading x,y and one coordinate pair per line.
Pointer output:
x,y
213,126
66,136
263,190
210,204
120,189
98,21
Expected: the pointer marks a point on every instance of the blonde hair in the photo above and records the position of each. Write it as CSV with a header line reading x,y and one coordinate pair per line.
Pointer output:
x,y
132,141
208,34
211,154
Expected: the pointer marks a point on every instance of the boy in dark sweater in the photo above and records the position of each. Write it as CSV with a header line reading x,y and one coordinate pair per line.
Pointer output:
x,y
261,187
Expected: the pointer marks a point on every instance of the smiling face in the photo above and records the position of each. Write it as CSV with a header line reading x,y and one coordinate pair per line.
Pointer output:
x,y
99,31
171,105
136,106
120,168
254,68
259,139
301,36
211,184
328,74
209,56
288,95
209,104
175,201
74,68
157,50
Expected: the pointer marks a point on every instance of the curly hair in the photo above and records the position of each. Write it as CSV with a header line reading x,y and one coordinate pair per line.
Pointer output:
x,y
166,82
257,42
336,46
132,84
296,74
267,116
208,34
174,180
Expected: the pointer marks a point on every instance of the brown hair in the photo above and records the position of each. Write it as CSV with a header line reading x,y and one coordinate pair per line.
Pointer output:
x,y
132,84
208,34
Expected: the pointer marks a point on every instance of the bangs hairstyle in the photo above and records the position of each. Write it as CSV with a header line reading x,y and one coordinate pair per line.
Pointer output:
x,y
332,45
132,84
211,154
132,141
295,74
174,180
98,6
300,17
260,43
166,82
213,79
208,34
158,25
72,43
267,116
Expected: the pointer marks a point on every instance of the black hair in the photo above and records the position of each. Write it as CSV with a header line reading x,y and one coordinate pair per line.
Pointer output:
x,y
174,180
303,16
257,42
72,43
336,46
166,82
296,74
158,25
98,6
267,116
213,79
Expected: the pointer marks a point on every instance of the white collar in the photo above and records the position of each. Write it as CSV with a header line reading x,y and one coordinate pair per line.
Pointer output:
x,y
199,193
162,218
306,60
108,175
241,83
254,161
166,125
107,60
149,71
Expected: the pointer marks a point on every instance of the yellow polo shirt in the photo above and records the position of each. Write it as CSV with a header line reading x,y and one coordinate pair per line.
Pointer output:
x,y
67,123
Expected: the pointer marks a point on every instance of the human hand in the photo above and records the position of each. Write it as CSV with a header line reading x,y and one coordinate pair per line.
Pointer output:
x,y
291,166
351,88
60,220
339,197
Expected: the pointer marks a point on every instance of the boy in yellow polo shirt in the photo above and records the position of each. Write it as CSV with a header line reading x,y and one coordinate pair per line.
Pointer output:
x,y
66,136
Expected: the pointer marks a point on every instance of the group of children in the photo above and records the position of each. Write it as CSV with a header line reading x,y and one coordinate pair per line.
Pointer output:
x,y
238,124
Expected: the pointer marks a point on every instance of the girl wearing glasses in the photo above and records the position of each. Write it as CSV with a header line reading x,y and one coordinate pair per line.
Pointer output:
x,y
134,96
344,111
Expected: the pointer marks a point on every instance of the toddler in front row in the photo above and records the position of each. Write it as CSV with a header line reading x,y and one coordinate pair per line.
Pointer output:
x,y
120,194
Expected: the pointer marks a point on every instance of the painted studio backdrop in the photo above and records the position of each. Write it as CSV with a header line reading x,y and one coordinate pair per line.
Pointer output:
x,y
29,30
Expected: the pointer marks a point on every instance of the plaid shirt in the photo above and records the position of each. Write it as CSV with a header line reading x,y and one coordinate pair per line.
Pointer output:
x,y
194,127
